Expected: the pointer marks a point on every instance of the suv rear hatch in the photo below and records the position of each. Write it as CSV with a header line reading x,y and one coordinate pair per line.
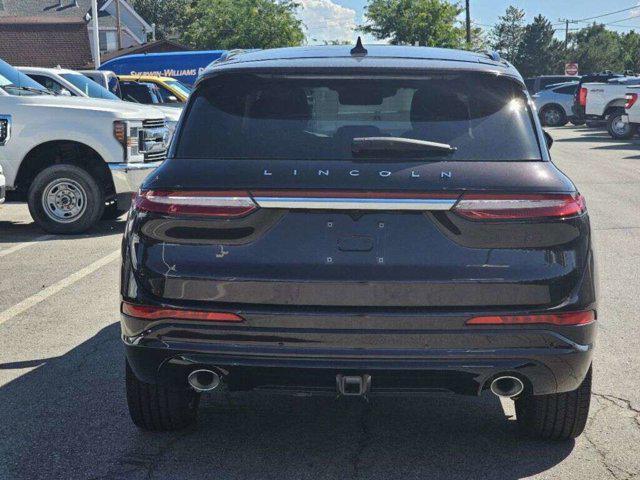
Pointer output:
x,y
359,191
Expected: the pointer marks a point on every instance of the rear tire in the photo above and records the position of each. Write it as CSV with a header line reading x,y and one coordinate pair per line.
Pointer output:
x,y
553,116
158,408
65,199
559,416
619,130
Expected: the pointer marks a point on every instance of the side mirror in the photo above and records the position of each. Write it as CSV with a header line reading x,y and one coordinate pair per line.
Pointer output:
x,y
172,99
548,139
65,93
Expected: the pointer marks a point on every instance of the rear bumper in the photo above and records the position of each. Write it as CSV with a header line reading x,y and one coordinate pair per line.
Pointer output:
x,y
408,358
3,188
127,177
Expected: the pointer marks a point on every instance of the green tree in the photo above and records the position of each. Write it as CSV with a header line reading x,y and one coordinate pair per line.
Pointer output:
x,y
539,53
228,24
630,50
170,16
595,49
507,34
479,40
431,23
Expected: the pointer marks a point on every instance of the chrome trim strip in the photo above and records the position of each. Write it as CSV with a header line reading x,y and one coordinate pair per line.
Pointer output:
x,y
134,166
420,204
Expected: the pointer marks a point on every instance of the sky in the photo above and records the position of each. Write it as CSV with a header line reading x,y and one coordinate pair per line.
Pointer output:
x,y
336,19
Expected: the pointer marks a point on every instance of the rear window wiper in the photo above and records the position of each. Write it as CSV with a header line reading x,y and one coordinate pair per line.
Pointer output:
x,y
372,146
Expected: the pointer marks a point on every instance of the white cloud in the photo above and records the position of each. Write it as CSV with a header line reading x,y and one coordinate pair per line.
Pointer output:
x,y
327,21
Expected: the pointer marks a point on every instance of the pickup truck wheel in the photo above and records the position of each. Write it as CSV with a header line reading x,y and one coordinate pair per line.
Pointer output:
x,y
618,129
553,116
65,199
158,408
559,416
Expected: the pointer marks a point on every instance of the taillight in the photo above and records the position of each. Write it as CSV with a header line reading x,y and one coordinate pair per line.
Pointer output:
x,y
582,97
632,98
225,204
519,207
567,318
148,312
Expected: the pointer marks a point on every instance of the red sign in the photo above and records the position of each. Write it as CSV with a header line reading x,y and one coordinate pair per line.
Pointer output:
x,y
571,69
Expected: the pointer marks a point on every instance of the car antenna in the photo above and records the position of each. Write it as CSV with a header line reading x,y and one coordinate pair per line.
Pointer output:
x,y
359,48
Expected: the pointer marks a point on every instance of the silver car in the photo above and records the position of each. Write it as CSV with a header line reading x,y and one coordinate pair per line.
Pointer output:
x,y
554,103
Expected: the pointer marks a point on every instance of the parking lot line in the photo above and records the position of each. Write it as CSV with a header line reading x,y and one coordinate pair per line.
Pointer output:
x,y
22,245
42,295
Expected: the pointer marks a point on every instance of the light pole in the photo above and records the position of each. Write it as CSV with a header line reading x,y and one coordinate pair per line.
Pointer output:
x,y
96,37
118,26
468,23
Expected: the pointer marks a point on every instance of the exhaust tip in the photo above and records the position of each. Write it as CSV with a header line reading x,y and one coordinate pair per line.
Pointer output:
x,y
203,380
507,386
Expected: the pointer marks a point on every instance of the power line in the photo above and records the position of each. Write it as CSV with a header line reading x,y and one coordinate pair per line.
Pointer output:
x,y
604,14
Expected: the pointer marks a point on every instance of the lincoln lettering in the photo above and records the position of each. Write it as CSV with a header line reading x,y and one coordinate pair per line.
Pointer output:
x,y
356,173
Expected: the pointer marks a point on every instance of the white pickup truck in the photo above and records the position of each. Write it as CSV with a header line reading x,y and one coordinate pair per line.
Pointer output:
x,y
632,111
74,160
605,101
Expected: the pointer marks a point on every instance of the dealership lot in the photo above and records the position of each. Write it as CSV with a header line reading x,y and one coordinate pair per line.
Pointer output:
x,y
63,412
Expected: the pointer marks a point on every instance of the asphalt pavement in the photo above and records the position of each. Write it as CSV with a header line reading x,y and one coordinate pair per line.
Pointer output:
x,y
63,413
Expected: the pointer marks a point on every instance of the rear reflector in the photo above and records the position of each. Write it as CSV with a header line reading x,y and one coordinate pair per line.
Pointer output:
x,y
519,207
147,312
210,204
582,97
632,98
569,318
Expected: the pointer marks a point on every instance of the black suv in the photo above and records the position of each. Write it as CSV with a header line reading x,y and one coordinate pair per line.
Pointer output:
x,y
336,220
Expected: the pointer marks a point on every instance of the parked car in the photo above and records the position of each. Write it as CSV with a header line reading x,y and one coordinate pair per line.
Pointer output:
x,y
74,160
171,91
75,84
325,224
106,79
67,82
535,84
580,99
605,102
554,103
631,118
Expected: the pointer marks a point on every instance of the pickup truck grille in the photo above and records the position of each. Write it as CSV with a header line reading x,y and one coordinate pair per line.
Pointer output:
x,y
154,123
152,138
155,156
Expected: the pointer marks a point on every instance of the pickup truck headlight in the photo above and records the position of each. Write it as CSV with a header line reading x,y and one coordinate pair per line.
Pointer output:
x,y
126,133
5,129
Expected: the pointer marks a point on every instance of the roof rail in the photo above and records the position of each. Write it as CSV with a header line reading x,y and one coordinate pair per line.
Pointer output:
x,y
493,55
230,54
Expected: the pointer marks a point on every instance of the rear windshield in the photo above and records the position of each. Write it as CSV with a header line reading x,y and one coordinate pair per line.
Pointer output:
x,y
242,116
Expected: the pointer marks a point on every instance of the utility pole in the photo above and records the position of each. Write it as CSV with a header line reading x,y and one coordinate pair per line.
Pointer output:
x,y
566,33
468,23
96,36
118,26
